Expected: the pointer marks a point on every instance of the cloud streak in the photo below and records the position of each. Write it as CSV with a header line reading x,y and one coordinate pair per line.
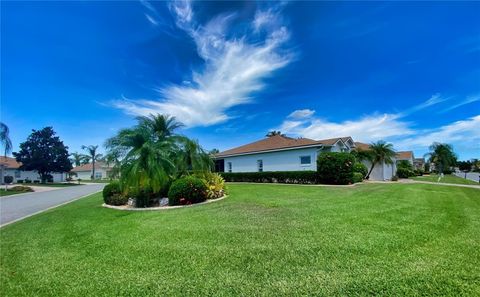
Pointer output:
x,y
234,68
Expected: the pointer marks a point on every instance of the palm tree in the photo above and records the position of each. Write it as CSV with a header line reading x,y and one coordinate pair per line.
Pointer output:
x,y
273,133
78,159
92,155
380,152
6,143
442,155
5,139
151,153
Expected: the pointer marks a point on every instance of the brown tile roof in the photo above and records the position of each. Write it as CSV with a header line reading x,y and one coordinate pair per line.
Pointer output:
x,y
89,166
404,155
274,143
362,146
9,162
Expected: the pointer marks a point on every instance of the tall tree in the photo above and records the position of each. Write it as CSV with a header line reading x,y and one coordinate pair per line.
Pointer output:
x,y
380,152
442,155
273,133
78,159
92,155
44,152
465,166
5,139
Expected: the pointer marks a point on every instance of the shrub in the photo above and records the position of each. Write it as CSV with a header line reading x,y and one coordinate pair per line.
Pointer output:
x,y
112,194
357,177
19,181
187,190
360,168
394,178
405,165
36,181
404,172
21,189
215,184
418,172
284,177
28,181
8,179
335,168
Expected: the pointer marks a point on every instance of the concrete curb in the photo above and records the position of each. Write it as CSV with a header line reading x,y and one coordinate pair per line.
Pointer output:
x,y
159,208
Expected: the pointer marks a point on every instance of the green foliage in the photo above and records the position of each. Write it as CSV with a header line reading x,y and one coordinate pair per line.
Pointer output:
x,y
379,152
187,190
395,178
5,139
357,177
418,172
43,152
113,195
8,179
215,184
404,164
20,189
403,172
360,168
335,168
442,155
427,167
152,155
19,181
284,177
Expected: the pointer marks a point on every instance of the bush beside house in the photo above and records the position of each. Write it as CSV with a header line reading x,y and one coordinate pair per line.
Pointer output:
x,y
335,168
284,177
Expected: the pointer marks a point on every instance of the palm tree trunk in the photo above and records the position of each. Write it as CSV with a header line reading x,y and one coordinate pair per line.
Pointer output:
x,y
369,172
93,169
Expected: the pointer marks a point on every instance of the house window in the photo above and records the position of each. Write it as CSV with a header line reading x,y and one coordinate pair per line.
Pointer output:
x,y
98,175
305,160
229,166
260,165
17,174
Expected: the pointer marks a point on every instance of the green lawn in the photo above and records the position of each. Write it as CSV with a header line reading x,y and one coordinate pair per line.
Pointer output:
x,y
452,179
263,240
8,193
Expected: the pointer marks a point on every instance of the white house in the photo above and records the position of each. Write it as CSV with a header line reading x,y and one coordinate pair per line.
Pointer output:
x,y
281,153
10,167
85,171
406,156
381,171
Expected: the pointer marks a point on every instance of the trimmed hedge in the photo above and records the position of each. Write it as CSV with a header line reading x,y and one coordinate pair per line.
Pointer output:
x,y
405,172
357,177
284,177
335,168
113,195
360,168
187,190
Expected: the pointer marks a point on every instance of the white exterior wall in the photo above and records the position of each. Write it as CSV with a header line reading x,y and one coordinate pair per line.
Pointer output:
x,y
31,175
86,175
381,171
288,160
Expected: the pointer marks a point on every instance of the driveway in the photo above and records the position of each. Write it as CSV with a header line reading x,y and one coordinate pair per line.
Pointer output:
x,y
16,207
470,175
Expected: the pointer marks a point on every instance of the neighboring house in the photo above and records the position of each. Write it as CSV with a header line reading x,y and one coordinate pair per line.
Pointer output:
x,y
279,153
85,171
381,171
10,167
406,156
419,163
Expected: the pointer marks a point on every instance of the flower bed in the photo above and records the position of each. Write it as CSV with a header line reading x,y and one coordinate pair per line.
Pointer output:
x,y
166,207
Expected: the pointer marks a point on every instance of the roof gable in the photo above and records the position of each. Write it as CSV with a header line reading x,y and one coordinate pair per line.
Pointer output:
x,y
89,167
8,162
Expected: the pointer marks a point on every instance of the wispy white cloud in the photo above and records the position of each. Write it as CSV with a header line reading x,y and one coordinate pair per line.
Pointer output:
x,y
152,14
435,99
464,134
468,100
367,128
301,114
234,68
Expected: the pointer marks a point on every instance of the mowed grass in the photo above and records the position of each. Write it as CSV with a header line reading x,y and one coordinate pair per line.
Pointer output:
x,y
263,240
9,192
448,178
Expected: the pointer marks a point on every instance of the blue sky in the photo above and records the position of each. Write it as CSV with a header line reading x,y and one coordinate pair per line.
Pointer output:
x,y
407,73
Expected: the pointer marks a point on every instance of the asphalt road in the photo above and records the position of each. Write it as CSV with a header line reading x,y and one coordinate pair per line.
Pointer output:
x,y
16,207
470,175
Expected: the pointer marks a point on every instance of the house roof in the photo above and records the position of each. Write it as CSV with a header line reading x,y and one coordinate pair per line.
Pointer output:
x,y
420,160
9,162
362,146
405,155
89,167
277,142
